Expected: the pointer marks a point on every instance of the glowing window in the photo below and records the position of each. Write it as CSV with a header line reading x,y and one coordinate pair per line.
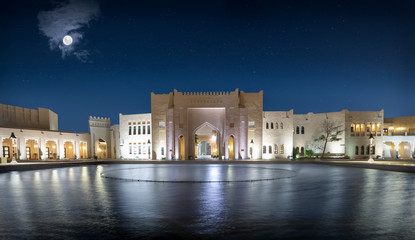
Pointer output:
x,y
282,149
275,149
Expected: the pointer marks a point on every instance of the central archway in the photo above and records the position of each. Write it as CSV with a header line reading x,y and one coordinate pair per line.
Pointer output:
x,y
206,141
206,145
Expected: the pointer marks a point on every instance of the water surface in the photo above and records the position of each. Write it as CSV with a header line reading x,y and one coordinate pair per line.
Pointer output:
x,y
311,202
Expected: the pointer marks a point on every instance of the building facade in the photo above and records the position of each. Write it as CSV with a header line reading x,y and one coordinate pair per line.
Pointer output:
x,y
195,125
233,125
28,134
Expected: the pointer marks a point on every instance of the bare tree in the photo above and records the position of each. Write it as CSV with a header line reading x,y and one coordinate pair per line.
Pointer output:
x,y
330,132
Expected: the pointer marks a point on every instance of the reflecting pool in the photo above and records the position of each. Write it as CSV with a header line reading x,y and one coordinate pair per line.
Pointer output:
x,y
213,201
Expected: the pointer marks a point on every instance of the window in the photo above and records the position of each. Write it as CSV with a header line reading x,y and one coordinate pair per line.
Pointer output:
x,y
269,149
373,150
367,150
272,125
297,130
162,124
373,128
129,130
362,150
264,149
139,130
135,150
148,129
144,129
6,152
47,153
250,151
162,151
266,126
302,129
356,150
276,125
275,149
378,130
352,128
302,151
251,123
362,128
282,125
131,149
139,149
282,149
134,132
368,127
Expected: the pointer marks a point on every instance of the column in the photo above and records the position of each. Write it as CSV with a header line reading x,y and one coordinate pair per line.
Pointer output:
x,y
60,149
1,147
21,148
42,147
77,149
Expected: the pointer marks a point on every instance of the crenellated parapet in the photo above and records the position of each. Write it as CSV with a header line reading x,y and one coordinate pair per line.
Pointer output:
x,y
99,121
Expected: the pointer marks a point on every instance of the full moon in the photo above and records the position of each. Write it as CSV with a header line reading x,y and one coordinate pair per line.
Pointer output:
x,y
67,40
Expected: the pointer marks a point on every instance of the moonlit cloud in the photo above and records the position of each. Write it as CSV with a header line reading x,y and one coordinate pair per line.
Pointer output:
x,y
68,18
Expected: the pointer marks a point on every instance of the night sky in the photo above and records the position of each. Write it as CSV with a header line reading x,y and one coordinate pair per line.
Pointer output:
x,y
310,56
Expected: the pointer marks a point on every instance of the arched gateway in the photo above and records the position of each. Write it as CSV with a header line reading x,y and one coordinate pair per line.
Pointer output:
x,y
208,125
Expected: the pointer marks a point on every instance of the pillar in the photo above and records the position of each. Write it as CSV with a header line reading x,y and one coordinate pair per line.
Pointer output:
x,y
77,149
42,147
21,148
1,147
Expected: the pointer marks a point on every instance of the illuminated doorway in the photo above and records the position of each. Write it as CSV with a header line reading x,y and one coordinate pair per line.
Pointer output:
x,y
51,150
68,150
32,150
231,147
182,148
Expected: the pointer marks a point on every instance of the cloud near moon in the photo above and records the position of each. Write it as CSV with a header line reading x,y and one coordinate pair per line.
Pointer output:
x,y
68,18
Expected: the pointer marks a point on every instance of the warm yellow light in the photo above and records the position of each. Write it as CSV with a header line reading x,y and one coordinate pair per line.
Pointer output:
x,y
400,128
213,138
391,128
83,148
53,146
70,147
36,146
99,150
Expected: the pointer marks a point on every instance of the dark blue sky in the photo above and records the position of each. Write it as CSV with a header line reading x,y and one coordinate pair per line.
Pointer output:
x,y
310,56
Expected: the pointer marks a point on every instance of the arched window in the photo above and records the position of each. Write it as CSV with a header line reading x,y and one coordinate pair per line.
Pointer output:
x,y
362,150
302,151
282,125
373,150
269,149
362,128
352,128
139,130
368,127
162,151
275,149
272,125
302,129
267,126
134,131
276,125
139,149
297,130
148,129
264,149
373,128
129,130
356,150
367,150
282,149
131,149
144,129
379,127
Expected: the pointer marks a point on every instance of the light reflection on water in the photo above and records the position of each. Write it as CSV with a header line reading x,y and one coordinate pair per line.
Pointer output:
x,y
319,202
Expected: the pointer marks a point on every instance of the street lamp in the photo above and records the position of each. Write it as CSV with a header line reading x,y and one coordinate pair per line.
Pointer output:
x,y
370,148
251,149
148,142
13,138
